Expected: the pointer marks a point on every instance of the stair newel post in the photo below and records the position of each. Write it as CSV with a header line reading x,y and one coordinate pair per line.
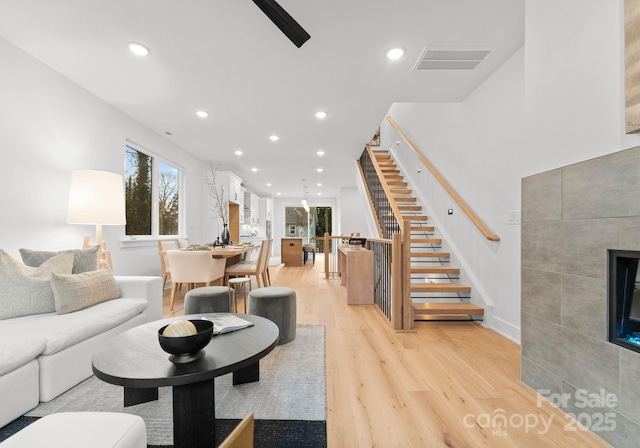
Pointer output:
x,y
327,251
397,280
407,304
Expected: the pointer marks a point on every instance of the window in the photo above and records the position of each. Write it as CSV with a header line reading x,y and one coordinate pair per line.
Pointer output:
x,y
152,195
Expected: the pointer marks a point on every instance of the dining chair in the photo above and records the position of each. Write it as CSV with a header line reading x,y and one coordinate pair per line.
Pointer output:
x,y
163,247
194,267
256,267
242,435
183,243
266,265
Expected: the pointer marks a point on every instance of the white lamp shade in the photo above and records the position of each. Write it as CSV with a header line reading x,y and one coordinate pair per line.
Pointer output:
x,y
96,197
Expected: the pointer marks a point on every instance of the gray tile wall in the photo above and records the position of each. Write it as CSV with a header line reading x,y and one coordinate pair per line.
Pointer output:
x,y
570,217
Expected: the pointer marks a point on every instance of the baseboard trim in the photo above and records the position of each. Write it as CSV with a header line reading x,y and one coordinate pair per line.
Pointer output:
x,y
506,329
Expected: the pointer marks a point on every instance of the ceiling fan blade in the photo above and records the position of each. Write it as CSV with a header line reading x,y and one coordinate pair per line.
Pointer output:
x,y
284,21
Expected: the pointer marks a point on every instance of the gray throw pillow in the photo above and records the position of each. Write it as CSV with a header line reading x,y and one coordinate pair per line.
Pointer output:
x,y
73,292
26,290
84,260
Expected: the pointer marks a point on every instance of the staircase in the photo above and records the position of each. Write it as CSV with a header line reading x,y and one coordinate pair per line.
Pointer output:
x,y
435,291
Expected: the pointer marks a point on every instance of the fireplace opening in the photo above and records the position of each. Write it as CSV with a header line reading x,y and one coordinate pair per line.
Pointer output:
x,y
624,298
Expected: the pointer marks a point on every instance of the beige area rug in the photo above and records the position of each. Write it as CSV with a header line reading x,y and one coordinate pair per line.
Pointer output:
x,y
292,386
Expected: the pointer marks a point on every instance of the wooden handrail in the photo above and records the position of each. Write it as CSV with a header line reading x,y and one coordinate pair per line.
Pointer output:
x,y
456,197
387,190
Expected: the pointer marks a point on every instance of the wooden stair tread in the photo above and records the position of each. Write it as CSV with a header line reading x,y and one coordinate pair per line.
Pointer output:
x,y
426,240
447,308
422,228
415,217
413,208
434,270
396,183
407,199
395,191
439,287
392,176
430,254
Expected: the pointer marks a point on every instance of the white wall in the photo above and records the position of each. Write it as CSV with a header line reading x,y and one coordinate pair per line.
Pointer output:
x,y
353,213
51,126
574,82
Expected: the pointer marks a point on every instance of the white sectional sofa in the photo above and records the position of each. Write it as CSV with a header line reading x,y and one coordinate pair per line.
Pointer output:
x,y
44,355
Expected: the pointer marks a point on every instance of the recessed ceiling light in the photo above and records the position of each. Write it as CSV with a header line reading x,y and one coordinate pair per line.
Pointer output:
x,y
319,185
274,138
319,170
395,53
319,193
202,114
321,115
254,170
268,184
238,152
278,194
320,153
138,49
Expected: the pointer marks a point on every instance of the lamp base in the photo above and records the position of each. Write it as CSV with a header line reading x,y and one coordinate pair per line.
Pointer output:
x,y
104,256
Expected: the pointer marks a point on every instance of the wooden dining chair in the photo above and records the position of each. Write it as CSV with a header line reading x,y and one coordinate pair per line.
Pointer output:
x,y
163,247
267,274
256,267
193,267
242,435
183,243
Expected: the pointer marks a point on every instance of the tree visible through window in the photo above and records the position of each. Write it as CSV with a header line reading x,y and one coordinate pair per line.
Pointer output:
x,y
145,178
168,200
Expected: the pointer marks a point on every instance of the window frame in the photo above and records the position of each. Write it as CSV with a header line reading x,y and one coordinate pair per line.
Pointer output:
x,y
148,240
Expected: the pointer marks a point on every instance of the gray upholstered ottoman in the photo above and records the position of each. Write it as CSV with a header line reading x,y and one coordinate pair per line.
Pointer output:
x,y
278,304
210,299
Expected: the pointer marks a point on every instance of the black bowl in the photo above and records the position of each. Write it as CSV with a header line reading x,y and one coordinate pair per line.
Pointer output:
x,y
187,348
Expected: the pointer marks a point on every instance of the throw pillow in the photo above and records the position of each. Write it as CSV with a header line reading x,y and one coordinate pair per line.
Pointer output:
x,y
84,260
25,290
73,292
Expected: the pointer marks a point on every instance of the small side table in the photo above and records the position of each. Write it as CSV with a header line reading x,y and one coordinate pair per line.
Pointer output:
x,y
243,282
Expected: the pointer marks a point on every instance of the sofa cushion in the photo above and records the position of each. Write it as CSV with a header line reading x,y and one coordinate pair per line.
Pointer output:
x,y
15,353
26,290
84,260
73,292
64,330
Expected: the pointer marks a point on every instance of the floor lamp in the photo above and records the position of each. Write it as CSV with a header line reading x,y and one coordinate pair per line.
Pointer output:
x,y
96,197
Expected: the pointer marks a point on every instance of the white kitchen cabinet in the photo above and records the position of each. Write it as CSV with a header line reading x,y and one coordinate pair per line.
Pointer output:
x,y
251,208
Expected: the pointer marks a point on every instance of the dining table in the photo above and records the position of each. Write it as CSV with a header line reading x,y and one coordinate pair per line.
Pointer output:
x,y
231,251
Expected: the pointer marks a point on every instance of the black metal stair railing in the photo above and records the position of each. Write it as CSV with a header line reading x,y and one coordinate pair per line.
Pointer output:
x,y
382,289
387,220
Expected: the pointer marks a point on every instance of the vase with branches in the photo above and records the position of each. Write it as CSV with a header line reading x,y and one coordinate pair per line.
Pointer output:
x,y
220,201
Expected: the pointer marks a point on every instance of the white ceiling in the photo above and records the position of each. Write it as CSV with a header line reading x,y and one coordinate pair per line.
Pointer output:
x,y
226,57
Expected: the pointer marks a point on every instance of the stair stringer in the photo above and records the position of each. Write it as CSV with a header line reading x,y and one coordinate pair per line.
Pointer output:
x,y
478,295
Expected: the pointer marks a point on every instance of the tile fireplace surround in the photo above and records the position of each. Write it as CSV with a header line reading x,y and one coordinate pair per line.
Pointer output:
x,y
570,217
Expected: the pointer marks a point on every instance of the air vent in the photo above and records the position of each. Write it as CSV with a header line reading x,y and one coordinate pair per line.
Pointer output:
x,y
450,59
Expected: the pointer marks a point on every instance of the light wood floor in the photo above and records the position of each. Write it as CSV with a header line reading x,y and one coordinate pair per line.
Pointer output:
x,y
439,386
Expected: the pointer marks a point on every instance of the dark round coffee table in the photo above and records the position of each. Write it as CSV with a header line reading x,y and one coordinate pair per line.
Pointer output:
x,y
134,359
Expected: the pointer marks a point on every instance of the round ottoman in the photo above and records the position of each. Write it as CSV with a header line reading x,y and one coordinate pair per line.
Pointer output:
x,y
278,304
210,299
